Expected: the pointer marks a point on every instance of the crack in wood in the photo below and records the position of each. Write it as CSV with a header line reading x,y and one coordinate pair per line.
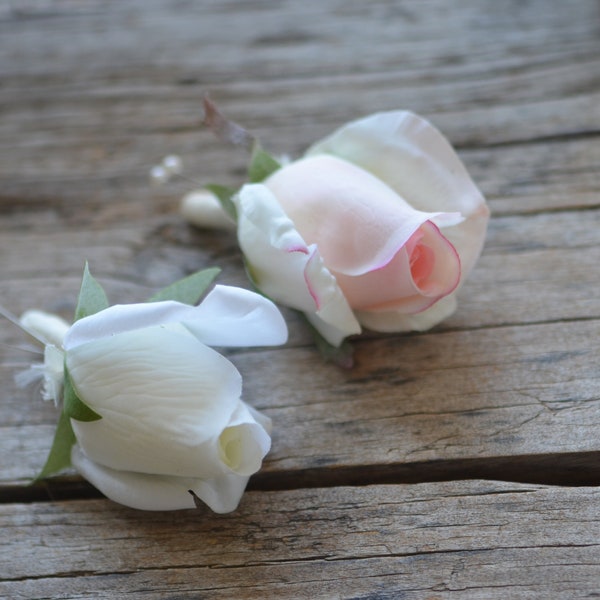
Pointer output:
x,y
567,469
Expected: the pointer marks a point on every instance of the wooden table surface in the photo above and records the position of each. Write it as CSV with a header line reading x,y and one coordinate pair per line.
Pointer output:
x,y
459,463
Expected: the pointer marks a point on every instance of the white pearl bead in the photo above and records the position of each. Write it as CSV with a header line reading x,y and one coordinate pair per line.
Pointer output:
x,y
159,175
172,164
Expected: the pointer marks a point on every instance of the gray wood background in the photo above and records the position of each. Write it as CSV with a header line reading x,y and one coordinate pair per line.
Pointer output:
x,y
459,463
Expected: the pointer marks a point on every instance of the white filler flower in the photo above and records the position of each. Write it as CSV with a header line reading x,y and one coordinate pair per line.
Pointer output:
x,y
173,424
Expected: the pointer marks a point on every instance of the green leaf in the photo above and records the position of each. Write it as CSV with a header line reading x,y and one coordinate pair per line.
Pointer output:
x,y
342,356
224,195
189,290
262,164
73,405
92,298
59,457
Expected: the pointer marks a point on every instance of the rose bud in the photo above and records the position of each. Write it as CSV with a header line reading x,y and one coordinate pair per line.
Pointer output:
x,y
171,426
377,226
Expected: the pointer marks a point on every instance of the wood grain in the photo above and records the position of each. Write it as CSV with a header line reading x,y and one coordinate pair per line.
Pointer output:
x,y
84,121
500,392
364,493
445,540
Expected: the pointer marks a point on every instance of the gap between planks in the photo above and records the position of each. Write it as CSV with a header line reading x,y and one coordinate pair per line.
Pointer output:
x,y
573,469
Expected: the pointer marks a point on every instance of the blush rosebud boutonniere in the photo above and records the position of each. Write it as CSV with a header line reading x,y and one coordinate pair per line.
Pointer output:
x,y
150,414
377,226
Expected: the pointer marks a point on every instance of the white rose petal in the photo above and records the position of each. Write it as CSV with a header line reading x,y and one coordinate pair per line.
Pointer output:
x,y
234,317
160,492
396,321
162,395
244,442
288,270
228,316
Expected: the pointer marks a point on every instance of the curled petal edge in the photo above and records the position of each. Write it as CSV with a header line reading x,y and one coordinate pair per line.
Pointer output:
x,y
285,268
245,441
395,321
158,492
409,154
333,317
228,316
419,163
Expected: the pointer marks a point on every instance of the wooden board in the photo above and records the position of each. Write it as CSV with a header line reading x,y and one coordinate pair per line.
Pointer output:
x,y
501,378
446,396
84,121
459,539
368,490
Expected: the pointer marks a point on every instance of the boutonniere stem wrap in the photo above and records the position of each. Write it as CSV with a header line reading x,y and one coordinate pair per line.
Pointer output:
x,y
377,226
151,414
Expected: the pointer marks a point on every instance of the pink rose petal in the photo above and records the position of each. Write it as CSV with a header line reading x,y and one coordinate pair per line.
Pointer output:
x,y
357,221
384,253
424,270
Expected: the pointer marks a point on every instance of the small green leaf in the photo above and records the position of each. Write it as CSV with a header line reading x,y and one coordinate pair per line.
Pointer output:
x,y
73,405
189,290
92,298
224,195
59,457
262,164
342,356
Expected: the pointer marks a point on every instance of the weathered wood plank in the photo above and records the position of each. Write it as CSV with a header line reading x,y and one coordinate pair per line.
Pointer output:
x,y
481,394
516,179
445,540
83,122
93,94
495,37
454,395
448,395
538,177
539,268
556,572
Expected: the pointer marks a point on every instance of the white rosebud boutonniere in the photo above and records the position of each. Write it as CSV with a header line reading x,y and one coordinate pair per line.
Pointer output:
x,y
150,414
377,226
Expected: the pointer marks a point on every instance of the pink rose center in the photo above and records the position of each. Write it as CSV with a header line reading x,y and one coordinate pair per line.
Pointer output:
x,y
421,264
421,259
421,272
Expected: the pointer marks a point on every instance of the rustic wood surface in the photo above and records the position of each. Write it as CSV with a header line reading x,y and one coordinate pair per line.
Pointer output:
x,y
472,540
459,463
